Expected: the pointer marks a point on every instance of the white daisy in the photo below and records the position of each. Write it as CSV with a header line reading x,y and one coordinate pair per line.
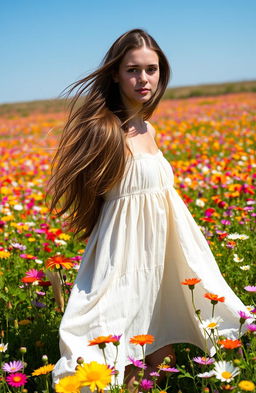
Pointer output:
x,y
3,347
200,202
209,324
245,267
208,374
237,259
225,371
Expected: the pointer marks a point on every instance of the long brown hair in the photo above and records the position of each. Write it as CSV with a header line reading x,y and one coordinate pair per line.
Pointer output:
x,y
90,158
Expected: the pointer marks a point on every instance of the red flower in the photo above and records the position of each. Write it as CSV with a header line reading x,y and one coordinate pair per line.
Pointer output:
x,y
101,340
190,281
230,344
214,298
142,339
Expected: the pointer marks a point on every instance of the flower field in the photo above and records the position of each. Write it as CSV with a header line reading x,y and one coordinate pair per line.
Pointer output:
x,y
210,143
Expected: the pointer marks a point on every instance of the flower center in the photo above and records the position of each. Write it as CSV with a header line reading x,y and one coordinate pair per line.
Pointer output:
x,y
226,374
93,376
17,379
212,325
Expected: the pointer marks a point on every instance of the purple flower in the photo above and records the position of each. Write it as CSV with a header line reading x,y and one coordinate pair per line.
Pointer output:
x,y
13,367
164,367
225,222
137,363
38,304
146,384
253,311
250,288
251,327
154,374
243,315
203,360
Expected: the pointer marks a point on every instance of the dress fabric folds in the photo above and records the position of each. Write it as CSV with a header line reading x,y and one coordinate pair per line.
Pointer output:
x,y
144,243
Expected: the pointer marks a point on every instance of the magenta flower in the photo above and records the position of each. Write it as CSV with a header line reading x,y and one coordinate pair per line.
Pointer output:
x,y
16,379
203,360
146,384
250,288
251,327
137,363
13,367
37,274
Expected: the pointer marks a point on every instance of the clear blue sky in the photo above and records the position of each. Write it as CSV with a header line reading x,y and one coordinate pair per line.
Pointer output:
x,y
48,44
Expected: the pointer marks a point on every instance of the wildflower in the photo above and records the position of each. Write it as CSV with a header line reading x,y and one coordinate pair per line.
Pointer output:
x,y
230,344
116,339
191,282
33,275
16,379
248,386
225,371
250,288
214,298
43,370
251,327
142,339
3,347
165,367
244,316
137,363
146,384
237,259
208,374
4,254
13,367
154,374
203,360
101,341
70,384
210,324
59,261
245,267
93,375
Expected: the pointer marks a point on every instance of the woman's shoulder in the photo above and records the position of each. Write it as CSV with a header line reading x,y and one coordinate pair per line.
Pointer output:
x,y
151,129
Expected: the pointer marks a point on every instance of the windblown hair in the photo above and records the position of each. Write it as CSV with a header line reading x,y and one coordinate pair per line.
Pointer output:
x,y
90,158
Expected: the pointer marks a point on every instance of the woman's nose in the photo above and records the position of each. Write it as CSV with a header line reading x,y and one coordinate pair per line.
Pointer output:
x,y
143,76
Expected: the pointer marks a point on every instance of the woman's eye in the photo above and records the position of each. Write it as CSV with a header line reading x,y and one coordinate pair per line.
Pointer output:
x,y
132,69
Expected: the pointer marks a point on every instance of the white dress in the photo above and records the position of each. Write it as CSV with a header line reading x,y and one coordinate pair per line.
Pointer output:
x,y
143,245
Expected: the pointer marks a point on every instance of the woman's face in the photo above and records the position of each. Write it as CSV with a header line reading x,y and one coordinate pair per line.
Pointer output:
x,y
138,70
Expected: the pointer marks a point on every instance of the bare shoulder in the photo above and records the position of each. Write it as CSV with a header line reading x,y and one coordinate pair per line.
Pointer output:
x,y
151,129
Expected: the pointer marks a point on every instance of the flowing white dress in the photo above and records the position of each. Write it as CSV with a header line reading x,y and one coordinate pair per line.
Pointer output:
x,y
143,245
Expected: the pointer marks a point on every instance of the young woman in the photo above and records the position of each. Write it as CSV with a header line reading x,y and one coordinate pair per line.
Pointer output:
x,y
142,240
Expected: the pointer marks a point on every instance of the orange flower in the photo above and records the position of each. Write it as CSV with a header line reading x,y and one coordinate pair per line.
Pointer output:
x,y
142,339
230,344
214,298
59,261
101,340
191,281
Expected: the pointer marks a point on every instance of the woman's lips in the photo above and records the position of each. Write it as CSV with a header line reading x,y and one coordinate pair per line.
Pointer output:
x,y
142,91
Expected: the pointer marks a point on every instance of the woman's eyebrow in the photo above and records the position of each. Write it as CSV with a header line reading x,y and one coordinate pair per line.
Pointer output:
x,y
136,65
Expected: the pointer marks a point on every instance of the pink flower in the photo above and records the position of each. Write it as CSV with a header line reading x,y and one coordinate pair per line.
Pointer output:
x,y
250,288
38,274
164,367
13,367
251,327
16,380
146,384
137,363
203,360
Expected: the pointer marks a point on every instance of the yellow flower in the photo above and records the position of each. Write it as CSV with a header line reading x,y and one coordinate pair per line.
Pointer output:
x,y
4,254
44,370
64,236
70,384
94,375
248,386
